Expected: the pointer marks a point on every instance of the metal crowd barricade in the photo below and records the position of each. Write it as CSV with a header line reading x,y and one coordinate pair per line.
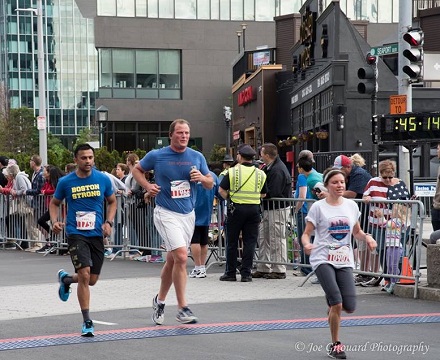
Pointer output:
x,y
18,222
373,265
135,232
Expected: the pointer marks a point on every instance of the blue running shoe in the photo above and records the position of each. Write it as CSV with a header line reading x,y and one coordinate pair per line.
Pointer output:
x,y
63,290
88,329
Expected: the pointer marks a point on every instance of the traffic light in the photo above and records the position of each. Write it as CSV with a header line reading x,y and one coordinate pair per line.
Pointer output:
x,y
415,38
368,73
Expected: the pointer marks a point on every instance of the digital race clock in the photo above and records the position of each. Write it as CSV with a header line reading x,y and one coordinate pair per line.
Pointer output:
x,y
410,127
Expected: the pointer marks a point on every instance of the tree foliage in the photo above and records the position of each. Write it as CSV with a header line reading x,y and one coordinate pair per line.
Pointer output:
x,y
85,135
18,133
217,153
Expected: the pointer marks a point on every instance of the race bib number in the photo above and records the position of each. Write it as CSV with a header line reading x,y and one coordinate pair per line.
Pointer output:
x,y
339,255
180,189
85,220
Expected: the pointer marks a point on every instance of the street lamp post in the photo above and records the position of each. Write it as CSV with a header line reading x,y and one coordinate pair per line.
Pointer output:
x,y
42,118
238,37
228,117
102,115
243,27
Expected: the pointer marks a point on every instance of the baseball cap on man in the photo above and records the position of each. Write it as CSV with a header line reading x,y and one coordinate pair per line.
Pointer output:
x,y
342,161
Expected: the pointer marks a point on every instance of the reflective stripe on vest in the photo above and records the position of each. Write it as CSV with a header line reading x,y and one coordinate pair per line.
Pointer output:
x,y
249,193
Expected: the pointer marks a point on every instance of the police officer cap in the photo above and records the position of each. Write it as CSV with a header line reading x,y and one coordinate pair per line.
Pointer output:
x,y
246,150
228,158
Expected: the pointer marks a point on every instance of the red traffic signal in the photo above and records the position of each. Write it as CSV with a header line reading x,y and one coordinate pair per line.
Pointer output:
x,y
371,59
369,74
414,37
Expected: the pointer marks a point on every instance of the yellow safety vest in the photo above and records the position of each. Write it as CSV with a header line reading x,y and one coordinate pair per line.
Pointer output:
x,y
242,190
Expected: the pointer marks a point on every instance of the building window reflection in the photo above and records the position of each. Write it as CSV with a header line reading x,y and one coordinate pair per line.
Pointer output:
x,y
149,74
238,10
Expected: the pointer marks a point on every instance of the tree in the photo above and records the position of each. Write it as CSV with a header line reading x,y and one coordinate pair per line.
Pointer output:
x,y
217,153
85,135
57,154
106,161
18,133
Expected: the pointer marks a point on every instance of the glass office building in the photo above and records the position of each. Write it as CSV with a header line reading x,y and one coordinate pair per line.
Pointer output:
x,y
375,11
71,63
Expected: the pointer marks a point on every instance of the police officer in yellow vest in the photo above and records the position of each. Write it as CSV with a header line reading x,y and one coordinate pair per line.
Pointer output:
x,y
244,187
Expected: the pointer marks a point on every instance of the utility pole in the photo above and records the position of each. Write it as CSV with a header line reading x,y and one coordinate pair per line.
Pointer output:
x,y
404,87
42,118
41,85
405,22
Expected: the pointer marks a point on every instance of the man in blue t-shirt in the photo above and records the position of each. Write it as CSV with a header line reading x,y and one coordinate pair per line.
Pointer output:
x,y
199,241
177,170
84,192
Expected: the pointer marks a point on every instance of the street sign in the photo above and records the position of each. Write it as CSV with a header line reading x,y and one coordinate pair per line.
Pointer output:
x,y
425,189
398,104
385,50
431,66
41,122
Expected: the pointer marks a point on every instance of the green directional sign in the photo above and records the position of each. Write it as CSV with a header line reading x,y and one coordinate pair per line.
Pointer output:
x,y
385,50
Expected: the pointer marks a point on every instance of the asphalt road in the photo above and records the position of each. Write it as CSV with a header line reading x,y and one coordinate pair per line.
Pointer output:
x,y
265,319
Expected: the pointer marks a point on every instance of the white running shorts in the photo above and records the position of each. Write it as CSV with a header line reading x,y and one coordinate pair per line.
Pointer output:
x,y
175,229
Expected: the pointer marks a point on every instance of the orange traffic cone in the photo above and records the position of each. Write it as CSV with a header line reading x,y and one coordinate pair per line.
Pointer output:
x,y
406,271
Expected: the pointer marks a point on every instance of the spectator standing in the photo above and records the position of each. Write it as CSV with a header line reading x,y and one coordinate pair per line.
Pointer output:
x,y
86,226
395,228
357,160
177,169
134,192
199,241
244,186
3,202
357,177
384,187
301,207
334,220
3,164
227,162
37,202
9,219
21,221
52,174
305,167
435,211
121,171
70,167
272,232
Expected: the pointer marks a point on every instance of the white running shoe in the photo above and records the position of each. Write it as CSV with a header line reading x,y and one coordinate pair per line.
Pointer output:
x,y
201,273
158,314
193,273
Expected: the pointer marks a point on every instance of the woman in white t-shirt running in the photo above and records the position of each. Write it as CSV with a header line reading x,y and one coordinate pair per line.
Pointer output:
x,y
334,220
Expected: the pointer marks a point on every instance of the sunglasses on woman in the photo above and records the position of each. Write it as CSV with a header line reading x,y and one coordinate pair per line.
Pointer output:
x,y
387,177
